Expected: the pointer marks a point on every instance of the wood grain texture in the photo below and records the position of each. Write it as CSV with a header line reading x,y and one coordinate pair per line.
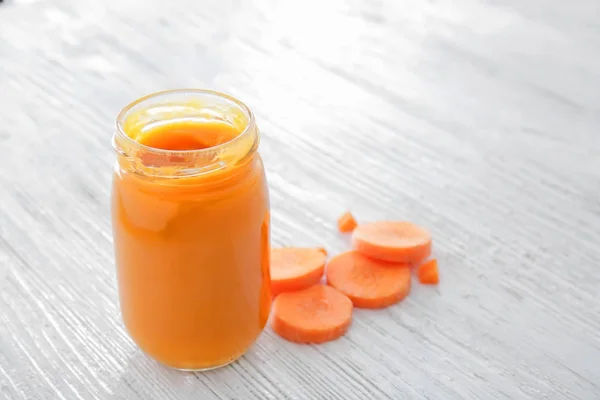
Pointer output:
x,y
477,119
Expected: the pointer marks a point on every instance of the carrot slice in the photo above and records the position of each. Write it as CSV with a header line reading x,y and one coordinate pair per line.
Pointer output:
x,y
346,222
428,273
295,268
395,241
369,283
314,315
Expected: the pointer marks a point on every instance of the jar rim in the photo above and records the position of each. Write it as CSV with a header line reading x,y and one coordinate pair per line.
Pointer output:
x,y
121,118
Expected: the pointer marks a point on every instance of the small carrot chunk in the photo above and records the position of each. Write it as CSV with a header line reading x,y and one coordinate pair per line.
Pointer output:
x,y
296,268
428,273
369,283
394,241
317,314
346,223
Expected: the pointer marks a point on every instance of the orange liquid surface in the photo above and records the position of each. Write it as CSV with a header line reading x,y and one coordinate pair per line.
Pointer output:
x,y
192,253
187,135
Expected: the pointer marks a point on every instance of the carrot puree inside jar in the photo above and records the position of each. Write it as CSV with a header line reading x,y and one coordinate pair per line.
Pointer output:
x,y
190,210
187,135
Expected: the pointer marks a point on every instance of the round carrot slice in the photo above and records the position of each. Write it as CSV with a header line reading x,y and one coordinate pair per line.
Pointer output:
x,y
295,268
395,241
369,283
314,315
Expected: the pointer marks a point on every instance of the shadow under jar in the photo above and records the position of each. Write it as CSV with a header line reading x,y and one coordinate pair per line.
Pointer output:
x,y
190,211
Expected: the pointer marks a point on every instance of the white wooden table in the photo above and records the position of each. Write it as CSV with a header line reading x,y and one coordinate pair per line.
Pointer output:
x,y
477,119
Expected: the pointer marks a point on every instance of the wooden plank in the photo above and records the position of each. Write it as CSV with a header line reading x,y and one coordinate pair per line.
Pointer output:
x,y
477,119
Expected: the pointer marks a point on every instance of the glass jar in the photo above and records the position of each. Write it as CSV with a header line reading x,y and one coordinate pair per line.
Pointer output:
x,y
191,232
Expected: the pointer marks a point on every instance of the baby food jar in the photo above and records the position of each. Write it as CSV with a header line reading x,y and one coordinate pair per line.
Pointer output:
x,y
190,212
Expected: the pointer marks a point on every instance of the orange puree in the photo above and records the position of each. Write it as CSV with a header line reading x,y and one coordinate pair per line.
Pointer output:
x,y
192,250
188,135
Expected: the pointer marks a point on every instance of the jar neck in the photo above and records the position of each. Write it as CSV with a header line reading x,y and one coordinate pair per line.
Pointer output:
x,y
185,105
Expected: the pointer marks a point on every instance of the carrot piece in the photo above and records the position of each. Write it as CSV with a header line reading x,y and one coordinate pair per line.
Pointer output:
x,y
346,223
428,273
295,268
317,314
369,283
394,241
